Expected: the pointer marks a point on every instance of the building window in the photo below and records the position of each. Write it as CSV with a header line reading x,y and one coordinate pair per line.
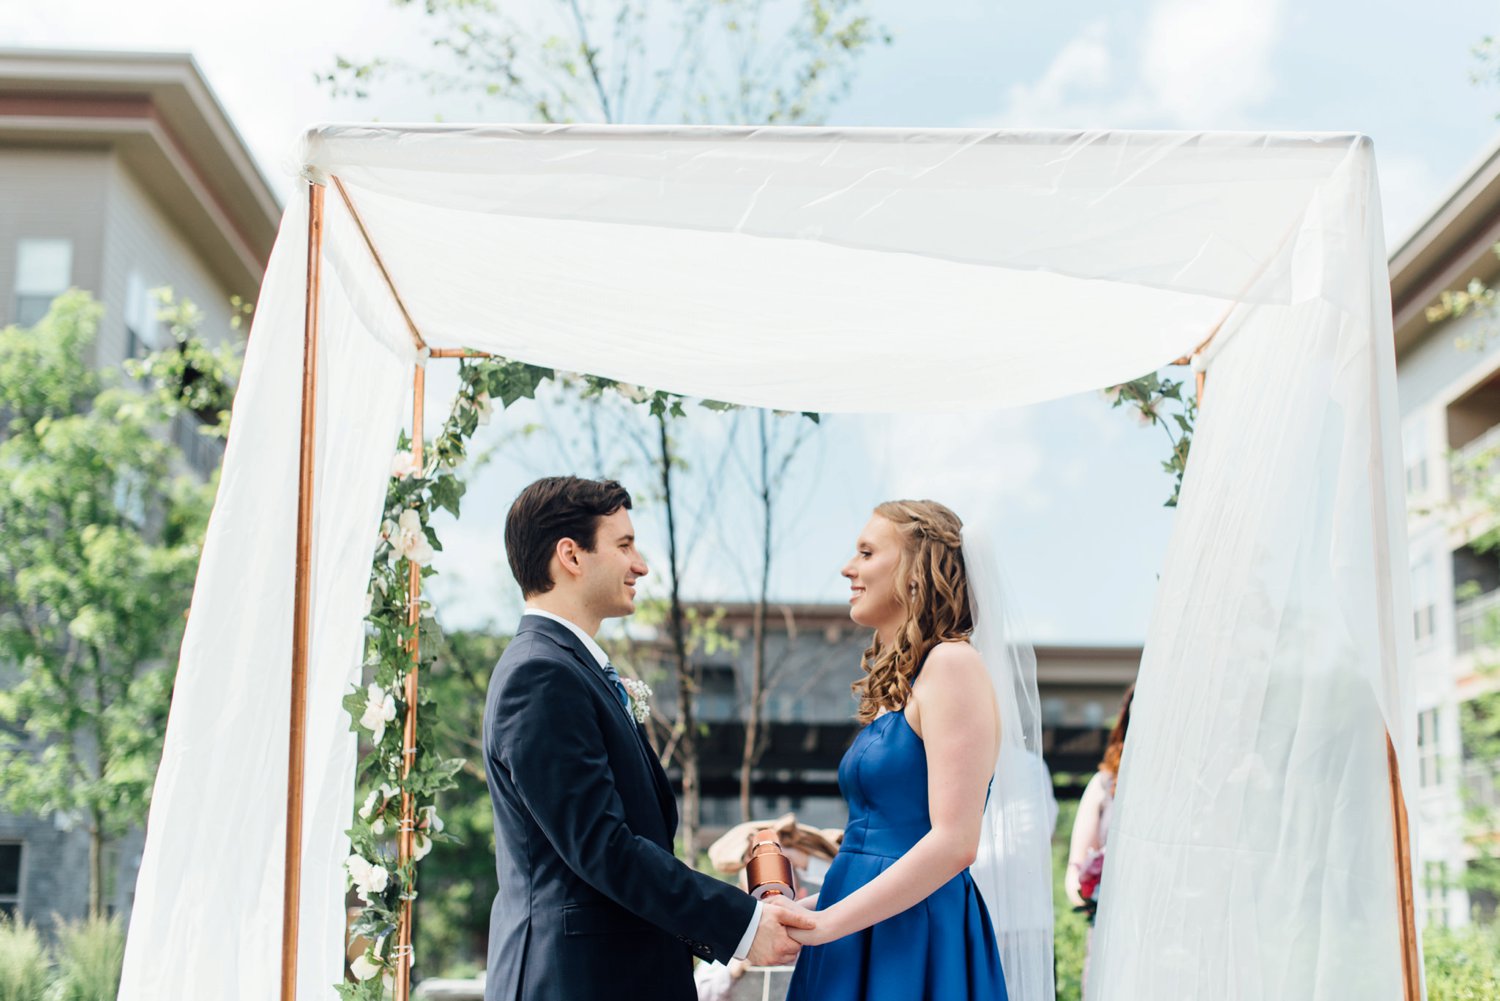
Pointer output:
x,y
1429,760
1413,442
44,270
1435,885
10,879
717,698
1424,600
1054,711
142,328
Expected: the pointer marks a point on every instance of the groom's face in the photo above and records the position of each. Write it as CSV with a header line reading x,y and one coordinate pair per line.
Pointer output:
x,y
611,570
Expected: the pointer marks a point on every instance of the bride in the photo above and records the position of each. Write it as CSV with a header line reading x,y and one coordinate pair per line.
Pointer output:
x,y
942,777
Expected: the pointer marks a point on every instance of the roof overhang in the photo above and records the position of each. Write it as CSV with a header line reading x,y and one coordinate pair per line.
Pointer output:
x,y
1451,247
157,113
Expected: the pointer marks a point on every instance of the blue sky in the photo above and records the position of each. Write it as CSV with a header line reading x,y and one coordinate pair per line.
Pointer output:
x,y
1075,487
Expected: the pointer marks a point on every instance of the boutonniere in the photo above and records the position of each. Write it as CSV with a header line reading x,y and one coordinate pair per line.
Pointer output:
x,y
640,698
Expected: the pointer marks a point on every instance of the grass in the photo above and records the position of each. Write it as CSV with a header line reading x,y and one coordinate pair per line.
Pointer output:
x,y
24,967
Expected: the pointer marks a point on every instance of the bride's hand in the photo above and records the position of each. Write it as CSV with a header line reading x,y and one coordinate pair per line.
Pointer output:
x,y
822,930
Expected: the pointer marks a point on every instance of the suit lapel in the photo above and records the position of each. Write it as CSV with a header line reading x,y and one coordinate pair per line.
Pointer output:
x,y
566,638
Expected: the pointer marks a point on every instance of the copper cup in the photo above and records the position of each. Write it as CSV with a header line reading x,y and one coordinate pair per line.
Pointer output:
x,y
768,872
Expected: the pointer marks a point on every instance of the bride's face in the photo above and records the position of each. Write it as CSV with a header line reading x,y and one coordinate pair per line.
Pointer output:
x,y
873,598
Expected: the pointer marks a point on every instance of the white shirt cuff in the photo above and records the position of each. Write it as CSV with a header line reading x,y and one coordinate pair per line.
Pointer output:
x,y
743,949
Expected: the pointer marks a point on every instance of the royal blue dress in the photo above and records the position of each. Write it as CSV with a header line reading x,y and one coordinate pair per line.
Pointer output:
x,y
942,949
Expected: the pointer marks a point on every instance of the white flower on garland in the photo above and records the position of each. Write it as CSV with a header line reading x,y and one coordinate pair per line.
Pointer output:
x,y
405,464
368,965
483,407
640,698
429,825
378,797
635,394
366,877
407,538
380,709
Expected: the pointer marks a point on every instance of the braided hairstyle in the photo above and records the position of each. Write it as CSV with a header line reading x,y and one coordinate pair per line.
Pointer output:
x,y
936,603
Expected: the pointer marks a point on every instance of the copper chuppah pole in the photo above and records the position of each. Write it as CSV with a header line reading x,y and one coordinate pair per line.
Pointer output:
x,y
291,893
406,836
1411,976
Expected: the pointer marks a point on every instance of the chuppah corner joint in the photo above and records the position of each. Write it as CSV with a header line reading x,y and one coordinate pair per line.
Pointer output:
x,y
1260,838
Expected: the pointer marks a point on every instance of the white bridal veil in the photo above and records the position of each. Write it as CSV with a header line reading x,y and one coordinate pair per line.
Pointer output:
x,y
1013,869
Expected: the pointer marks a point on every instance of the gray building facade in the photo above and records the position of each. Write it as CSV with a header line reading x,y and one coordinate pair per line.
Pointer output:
x,y
119,173
813,656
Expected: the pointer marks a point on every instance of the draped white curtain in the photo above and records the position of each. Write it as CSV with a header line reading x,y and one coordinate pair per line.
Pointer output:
x,y
860,270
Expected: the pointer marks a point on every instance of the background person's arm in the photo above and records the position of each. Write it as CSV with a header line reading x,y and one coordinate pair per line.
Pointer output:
x,y
1085,835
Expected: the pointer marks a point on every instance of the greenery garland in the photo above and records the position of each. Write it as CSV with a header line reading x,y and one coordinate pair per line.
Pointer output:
x,y
1154,400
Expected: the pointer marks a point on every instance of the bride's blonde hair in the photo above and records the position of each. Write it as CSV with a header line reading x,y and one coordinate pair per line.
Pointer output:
x,y
933,590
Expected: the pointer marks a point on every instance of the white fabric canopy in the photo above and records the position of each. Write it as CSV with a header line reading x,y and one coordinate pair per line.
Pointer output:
x,y
860,270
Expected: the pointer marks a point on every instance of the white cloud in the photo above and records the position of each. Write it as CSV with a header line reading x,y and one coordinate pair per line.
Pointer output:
x,y
1204,62
1198,64
1082,66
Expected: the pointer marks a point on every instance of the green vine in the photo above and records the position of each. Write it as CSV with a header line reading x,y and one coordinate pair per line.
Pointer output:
x,y
1159,401
406,538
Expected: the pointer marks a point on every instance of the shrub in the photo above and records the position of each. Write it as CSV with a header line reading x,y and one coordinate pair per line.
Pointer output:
x,y
90,954
24,967
1462,964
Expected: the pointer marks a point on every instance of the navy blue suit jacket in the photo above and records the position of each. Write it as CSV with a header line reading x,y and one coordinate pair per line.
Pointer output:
x,y
592,903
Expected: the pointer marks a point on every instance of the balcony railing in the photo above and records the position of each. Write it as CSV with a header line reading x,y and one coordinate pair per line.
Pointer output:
x,y
202,453
1482,786
1464,457
1471,620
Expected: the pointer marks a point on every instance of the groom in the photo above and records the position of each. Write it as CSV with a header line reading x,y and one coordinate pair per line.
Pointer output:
x,y
592,902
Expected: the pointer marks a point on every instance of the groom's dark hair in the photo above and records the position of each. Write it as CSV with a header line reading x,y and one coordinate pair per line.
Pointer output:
x,y
550,510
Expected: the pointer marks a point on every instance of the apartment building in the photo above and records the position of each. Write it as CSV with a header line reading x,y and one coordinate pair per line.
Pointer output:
x,y
119,173
1448,375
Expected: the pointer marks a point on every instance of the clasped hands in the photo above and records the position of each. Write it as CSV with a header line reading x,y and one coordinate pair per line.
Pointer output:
x,y
785,927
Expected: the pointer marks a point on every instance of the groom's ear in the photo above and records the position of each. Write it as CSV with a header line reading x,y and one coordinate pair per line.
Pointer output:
x,y
566,561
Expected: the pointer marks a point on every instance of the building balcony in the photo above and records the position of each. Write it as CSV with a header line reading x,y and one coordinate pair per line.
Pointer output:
x,y
1471,622
1485,447
1482,787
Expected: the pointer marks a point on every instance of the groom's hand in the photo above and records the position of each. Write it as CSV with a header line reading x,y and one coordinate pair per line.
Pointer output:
x,y
772,946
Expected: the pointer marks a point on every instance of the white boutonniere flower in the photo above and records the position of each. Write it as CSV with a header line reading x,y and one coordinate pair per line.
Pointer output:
x,y
380,709
640,698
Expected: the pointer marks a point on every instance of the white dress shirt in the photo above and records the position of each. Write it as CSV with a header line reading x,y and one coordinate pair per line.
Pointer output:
x,y
597,652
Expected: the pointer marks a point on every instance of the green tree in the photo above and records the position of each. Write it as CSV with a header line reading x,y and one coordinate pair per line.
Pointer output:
x,y
453,910
705,61
99,542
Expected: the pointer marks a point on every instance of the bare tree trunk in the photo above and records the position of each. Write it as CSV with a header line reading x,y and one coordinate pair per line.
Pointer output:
x,y
753,719
685,733
96,868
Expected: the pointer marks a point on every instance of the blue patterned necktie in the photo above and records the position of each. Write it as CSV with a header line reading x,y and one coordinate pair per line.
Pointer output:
x,y
614,679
